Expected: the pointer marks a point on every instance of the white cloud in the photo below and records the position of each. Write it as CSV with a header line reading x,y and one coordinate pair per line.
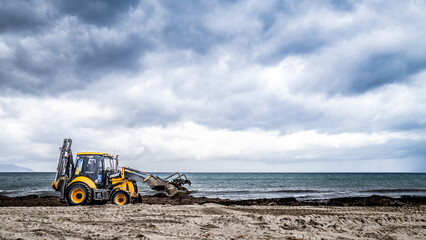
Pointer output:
x,y
41,128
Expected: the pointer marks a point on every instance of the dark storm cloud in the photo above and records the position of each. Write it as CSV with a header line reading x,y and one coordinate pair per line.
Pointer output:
x,y
25,72
52,65
102,58
19,15
311,37
296,44
343,5
66,55
64,66
297,41
370,72
409,125
193,37
382,69
184,27
97,12
77,50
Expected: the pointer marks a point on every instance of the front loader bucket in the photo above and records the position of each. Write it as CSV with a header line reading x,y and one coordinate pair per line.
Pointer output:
x,y
175,192
169,188
173,187
157,184
180,194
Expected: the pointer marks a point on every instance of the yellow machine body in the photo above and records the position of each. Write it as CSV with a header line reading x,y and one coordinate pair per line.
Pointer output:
x,y
91,181
94,176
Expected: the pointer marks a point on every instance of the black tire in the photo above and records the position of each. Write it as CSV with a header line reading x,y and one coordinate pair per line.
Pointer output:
x,y
139,198
79,194
120,198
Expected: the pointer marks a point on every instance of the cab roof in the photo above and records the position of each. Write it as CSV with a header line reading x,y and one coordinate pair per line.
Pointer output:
x,y
95,153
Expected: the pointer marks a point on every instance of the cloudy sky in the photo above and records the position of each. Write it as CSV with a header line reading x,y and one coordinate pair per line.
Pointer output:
x,y
216,85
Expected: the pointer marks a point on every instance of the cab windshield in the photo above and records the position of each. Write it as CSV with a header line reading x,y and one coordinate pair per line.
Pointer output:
x,y
89,165
109,164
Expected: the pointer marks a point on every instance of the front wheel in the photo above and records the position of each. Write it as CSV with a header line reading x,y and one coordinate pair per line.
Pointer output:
x,y
120,198
79,194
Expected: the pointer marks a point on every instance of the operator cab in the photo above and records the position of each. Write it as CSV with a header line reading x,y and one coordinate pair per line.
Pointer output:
x,y
95,166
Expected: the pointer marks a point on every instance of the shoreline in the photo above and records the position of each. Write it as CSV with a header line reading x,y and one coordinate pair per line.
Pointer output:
x,y
162,199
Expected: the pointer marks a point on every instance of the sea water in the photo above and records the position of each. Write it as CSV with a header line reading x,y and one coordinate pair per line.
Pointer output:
x,y
303,186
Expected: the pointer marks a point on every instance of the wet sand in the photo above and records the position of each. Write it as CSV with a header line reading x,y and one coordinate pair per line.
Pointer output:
x,y
251,219
34,200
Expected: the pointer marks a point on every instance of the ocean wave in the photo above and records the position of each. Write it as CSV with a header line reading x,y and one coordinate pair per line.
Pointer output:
x,y
19,193
259,191
392,190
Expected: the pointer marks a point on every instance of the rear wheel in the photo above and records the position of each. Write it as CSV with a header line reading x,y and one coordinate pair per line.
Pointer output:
x,y
120,198
79,194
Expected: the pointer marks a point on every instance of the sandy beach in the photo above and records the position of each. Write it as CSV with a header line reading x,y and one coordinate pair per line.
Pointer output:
x,y
213,221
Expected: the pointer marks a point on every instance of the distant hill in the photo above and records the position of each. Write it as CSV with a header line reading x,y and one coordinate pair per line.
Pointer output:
x,y
13,168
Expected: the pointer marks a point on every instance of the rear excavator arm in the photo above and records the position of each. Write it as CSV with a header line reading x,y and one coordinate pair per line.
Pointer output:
x,y
64,169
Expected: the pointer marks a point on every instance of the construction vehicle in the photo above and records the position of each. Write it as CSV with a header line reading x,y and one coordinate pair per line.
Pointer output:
x,y
96,178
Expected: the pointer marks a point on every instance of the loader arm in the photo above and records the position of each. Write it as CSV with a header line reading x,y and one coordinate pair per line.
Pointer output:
x,y
173,188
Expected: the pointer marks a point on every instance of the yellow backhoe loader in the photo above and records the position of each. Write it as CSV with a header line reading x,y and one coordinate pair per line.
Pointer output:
x,y
96,177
